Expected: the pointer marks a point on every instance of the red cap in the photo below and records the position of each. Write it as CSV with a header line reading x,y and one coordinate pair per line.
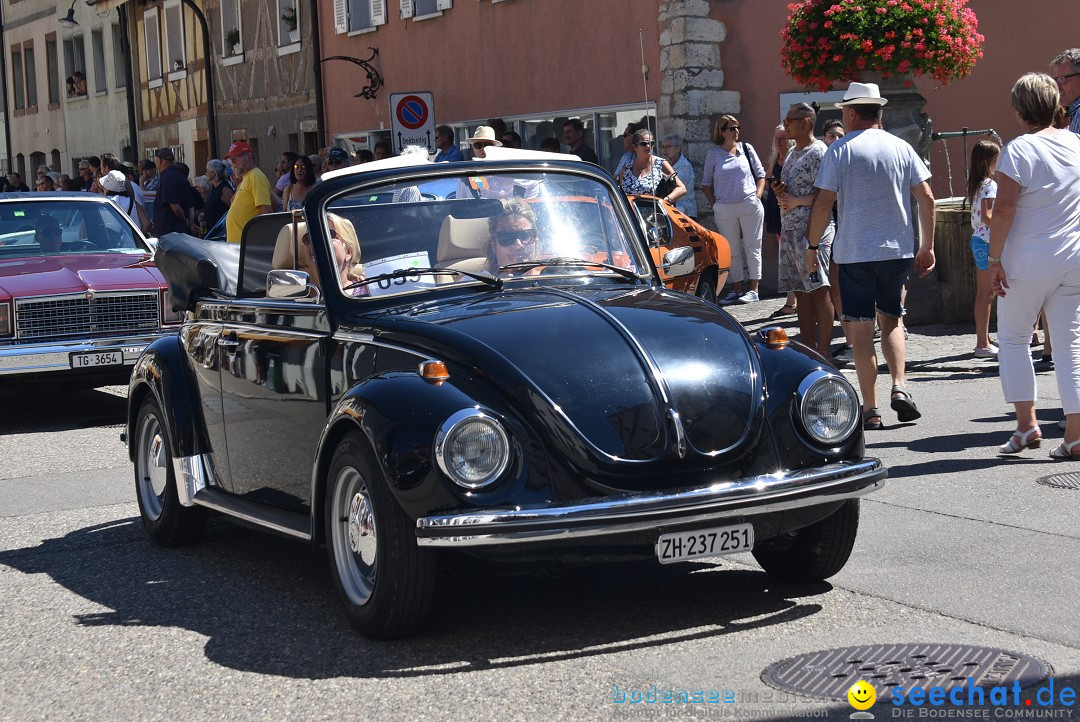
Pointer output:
x,y
239,148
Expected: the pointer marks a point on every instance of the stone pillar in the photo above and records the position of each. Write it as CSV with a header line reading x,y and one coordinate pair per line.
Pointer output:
x,y
692,88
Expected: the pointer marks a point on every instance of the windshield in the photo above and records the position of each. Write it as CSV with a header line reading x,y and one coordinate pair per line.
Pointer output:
x,y
65,227
414,236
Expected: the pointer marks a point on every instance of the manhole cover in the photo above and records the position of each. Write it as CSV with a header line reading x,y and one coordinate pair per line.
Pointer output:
x,y
1061,481
831,673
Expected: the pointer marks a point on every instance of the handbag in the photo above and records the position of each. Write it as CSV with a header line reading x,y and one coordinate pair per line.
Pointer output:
x,y
665,186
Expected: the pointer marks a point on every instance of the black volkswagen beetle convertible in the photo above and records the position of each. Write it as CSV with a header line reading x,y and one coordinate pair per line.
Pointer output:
x,y
481,357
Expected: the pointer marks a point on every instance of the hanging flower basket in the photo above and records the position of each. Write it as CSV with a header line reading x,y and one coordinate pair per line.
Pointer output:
x,y
829,41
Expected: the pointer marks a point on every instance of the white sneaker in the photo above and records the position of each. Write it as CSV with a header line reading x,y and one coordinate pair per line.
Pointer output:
x,y
749,297
990,351
729,299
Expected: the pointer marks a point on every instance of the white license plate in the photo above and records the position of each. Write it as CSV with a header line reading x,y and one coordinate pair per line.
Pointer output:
x,y
97,358
683,545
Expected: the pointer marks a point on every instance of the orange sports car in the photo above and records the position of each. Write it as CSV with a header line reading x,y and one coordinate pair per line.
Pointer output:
x,y
668,229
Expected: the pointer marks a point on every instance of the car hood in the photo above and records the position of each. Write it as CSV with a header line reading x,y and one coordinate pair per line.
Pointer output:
x,y
72,274
634,375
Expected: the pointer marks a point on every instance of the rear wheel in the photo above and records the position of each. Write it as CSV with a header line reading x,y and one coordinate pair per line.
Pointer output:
x,y
166,521
815,552
385,581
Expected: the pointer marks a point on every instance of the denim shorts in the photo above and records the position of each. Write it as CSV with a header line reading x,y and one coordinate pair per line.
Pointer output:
x,y
980,248
873,286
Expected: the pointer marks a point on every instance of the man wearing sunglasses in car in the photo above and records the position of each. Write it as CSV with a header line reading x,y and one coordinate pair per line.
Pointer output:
x,y
513,237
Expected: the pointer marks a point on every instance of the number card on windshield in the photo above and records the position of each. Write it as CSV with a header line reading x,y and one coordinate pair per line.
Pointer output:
x,y
405,281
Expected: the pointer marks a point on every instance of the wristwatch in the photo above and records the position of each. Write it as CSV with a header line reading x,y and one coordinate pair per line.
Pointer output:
x,y
993,259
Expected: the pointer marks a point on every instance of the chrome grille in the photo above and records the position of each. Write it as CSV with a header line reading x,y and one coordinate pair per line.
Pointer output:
x,y
106,314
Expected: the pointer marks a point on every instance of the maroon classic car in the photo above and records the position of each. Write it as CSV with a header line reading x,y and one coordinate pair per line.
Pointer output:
x,y
79,295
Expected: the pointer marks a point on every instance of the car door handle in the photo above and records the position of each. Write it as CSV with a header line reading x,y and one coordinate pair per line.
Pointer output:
x,y
228,341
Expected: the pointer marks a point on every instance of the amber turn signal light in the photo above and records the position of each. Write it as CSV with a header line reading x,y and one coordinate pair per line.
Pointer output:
x,y
776,338
434,371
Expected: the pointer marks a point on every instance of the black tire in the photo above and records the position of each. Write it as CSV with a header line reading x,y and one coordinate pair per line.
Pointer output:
x,y
706,288
815,552
166,521
385,581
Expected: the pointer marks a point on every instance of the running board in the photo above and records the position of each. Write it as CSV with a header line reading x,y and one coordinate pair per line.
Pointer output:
x,y
287,523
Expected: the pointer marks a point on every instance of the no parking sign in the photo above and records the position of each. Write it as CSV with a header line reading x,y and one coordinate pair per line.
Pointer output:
x,y
412,120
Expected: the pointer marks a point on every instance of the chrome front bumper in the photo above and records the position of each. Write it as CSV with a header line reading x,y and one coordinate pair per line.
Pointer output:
x,y
55,356
642,511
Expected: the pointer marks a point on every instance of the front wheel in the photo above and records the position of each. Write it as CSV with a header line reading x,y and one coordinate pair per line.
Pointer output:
x,y
706,288
815,552
166,521
385,581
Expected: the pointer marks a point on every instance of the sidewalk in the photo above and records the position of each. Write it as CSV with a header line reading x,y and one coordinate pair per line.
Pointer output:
x,y
931,348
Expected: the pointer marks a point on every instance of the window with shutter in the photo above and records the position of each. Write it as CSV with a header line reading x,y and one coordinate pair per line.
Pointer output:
x,y
378,12
407,8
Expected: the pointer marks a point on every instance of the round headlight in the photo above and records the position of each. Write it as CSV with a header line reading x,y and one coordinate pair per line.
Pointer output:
x,y
829,408
472,448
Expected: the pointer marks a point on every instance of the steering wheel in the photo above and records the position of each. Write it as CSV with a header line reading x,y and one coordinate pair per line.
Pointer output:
x,y
562,269
80,244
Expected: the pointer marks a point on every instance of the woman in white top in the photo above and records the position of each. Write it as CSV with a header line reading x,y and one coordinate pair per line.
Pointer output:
x,y
733,181
1034,259
120,192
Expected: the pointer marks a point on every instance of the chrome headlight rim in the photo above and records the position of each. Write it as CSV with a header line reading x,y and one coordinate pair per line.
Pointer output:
x,y
809,383
446,432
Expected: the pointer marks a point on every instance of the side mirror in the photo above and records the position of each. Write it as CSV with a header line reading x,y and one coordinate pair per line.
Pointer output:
x,y
678,262
286,283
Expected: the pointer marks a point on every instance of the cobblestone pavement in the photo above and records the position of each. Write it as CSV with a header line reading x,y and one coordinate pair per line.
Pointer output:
x,y
931,348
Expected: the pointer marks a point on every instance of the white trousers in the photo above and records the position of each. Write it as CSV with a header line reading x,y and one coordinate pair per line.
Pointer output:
x,y
741,224
1060,295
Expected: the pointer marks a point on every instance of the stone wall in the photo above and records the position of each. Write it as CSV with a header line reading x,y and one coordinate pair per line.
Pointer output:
x,y
692,90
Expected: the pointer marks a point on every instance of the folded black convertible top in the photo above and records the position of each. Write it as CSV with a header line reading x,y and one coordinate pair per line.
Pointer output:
x,y
195,268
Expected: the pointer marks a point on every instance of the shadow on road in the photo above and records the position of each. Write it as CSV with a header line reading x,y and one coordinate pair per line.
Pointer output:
x,y
39,408
267,605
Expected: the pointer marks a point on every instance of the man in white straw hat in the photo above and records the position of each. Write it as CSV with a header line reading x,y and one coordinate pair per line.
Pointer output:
x,y
482,138
871,175
492,186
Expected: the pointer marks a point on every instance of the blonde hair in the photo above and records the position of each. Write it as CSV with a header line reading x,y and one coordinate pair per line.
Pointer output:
x,y
347,233
1035,97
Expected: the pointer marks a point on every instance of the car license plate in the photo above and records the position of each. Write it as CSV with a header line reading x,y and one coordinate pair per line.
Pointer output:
x,y
684,545
97,358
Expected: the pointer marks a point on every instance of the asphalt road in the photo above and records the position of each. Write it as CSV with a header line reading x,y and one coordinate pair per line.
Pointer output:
x,y
961,546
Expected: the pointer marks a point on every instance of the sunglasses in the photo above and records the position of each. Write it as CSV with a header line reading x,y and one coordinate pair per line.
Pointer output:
x,y
792,120
306,239
478,146
731,127
299,166
644,144
506,239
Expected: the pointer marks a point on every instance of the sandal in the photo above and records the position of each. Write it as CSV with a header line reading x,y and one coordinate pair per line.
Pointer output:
x,y
1067,451
903,405
871,413
784,310
1021,440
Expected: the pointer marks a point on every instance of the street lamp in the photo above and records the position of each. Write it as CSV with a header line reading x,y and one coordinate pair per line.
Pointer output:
x,y
69,21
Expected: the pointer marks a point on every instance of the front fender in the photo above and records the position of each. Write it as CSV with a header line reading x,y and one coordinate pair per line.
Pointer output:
x,y
399,413
162,371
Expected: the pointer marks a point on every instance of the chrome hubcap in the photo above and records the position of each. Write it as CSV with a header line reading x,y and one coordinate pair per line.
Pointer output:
x,y
153,467
355,536
362,529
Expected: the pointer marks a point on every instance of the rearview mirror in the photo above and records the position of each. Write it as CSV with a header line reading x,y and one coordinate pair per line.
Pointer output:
x,y
678,262
286,283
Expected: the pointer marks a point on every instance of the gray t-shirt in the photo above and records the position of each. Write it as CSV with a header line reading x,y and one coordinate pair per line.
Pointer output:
x,y
872,173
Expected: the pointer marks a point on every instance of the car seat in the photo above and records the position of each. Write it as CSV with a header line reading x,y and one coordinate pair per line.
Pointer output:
x,y
463,244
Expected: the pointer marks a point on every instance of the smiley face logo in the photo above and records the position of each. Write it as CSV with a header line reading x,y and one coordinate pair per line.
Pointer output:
x,y
862,695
